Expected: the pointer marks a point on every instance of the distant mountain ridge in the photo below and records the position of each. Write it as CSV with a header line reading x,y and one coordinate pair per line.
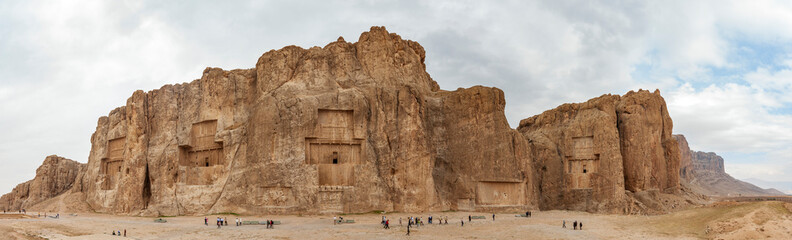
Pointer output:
x,y
704,172
782,187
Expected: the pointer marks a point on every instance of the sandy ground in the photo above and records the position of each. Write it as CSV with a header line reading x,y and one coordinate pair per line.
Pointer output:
x,y
769,220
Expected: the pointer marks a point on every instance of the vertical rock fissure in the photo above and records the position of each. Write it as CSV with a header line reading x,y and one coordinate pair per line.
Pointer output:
x,y
146,194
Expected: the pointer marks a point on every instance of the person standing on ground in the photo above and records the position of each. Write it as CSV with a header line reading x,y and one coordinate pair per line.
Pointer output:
x,y
563,224
408,229
462,221
206,221
470,218
574,225
124,232
581,225
400,221
493,217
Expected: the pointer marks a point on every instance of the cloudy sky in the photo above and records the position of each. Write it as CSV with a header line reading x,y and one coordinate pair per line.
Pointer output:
x,y
724,68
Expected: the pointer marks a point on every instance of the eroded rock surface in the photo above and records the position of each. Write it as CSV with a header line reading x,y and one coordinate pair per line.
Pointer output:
x,y
349,127
593,156
357,127
56,175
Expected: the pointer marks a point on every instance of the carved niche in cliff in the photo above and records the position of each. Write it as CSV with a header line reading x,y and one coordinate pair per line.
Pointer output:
x,y
112,163
203,159
499,193
582,163
334,149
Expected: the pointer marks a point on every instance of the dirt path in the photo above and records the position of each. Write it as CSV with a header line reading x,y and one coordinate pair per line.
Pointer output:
x,y
727,221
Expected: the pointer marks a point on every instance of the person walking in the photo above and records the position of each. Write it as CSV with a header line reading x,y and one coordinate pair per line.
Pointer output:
x,y
563,224
387,224
206,221
334,220
493,217
470,218
580,225
462,221
574,225
408,229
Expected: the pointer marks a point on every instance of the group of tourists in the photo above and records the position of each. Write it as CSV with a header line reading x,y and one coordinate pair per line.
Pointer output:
x,y
418,221
270,224
575,225
119,233
220,222
385,223
238,222
338,220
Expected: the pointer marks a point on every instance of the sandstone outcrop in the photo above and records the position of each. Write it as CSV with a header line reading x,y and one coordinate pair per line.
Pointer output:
x,y
706,175
685,158
598,155
350,127
357,127
56,175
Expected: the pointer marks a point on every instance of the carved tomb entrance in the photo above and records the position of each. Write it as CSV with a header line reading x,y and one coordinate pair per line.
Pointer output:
x,y
582,163
112,163
203,158
335,150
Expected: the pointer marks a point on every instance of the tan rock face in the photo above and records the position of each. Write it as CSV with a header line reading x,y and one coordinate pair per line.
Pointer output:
x,y
575,149
55,176
587,154
685,162
707,161
350,127
356,127
650,153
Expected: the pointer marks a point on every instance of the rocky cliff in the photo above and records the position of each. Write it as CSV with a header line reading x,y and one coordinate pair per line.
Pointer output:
x,y
56,175
357,127
704,173
349,127
598,155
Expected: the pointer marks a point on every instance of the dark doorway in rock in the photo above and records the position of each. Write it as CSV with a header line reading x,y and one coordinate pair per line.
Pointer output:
x,y
206,160
146,193
335,157
584,171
